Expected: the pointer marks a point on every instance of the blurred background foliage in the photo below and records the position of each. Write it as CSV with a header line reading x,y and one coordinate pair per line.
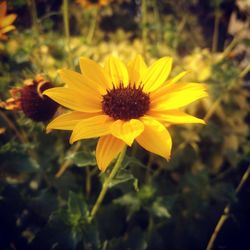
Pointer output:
x,y
48,187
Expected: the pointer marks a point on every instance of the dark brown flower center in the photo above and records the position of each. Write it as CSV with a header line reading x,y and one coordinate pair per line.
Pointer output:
x,y
125,103
94,1
36,107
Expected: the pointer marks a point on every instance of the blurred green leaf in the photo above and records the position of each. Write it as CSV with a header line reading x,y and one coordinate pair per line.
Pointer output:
x,y
77,209
67,227
131,201
159,209
122,177
83,159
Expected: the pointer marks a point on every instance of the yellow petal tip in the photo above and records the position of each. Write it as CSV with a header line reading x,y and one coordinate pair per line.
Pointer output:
x,y
71,140
48,130
46,92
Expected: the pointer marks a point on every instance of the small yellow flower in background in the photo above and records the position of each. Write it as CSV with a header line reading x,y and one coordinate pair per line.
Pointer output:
x,y
93,3
121,103
205,60
5,21
2,130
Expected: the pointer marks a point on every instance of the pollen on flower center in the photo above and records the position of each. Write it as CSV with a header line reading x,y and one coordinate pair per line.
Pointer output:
x,y
125,103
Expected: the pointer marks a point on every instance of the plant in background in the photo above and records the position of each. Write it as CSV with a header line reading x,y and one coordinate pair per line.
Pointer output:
x,y
141,201
5,21
92,8
31,101
93,3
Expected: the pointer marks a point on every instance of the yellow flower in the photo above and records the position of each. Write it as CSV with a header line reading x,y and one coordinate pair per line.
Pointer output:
x,y
93,3
29,99
5,21
121,103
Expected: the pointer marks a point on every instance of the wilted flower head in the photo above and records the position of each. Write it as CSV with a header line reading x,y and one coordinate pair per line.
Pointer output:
x,y
31,101
5,21
93,3
121,103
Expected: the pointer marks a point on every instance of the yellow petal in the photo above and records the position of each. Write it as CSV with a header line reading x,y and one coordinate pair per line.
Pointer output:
x,y
3,9
69,120
177,77
157,74
167,84
8,20
127,130
80,82
108,147
74,100
136,69
177,95
96,73
7,29
175,117
155,138
117,71
91,128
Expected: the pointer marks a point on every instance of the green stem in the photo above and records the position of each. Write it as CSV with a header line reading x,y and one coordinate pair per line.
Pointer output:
x,y
216,31
88,181
68,161
158,33
230,46
91,31
106,184
33,12
36,56
13,127
66,31
244,72
148,167
226,211
144,24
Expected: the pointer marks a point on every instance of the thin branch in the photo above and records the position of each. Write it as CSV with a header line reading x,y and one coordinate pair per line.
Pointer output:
x,y
226,212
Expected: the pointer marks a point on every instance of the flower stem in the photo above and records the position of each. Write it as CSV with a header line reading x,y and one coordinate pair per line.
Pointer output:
x,y
226,211
216,30
36,30
33,12
19,135
106,184
68,161
91,31
144,24
65,9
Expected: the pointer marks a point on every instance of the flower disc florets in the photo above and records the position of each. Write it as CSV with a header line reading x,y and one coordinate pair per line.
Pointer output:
x,y
125,103
34,104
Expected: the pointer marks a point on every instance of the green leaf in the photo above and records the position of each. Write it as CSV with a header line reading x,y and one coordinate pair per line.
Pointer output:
x,y
77,209
78,217
122,177
56,235
83,159
131,161
15,162
43,204
160,209
67,227
131,201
